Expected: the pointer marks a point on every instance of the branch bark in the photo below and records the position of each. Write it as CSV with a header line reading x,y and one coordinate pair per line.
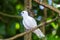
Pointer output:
x,y
24,33
28,6
47,6
44,4
12,16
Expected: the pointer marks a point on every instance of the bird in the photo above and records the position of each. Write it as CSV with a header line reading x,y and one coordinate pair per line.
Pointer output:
x,y
29,23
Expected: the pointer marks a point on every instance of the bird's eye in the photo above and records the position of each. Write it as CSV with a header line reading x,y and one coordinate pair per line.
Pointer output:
x,y
22,12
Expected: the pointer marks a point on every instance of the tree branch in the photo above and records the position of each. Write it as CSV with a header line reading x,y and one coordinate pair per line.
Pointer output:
x,y
44,23
48,6
13,16
44,4
24,33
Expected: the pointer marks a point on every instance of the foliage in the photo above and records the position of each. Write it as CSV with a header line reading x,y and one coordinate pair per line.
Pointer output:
x,y
12,26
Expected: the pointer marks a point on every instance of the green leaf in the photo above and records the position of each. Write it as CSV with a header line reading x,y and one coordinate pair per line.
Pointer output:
x,y
19,6
17,25
55,26
51,37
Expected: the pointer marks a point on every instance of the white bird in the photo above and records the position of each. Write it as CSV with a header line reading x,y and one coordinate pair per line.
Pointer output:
x,y
30,23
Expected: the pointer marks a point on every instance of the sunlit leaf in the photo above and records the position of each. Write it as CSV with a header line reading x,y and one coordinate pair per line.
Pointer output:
x,y
54,32
19,6
55,26
56,36
17,25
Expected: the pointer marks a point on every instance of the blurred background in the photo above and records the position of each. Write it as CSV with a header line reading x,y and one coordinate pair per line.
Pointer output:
x,y
10,26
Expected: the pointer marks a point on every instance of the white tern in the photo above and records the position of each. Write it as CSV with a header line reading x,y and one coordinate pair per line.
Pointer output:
x,y
29,23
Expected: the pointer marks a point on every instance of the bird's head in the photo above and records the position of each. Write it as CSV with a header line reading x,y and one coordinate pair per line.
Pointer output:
x,y
24,13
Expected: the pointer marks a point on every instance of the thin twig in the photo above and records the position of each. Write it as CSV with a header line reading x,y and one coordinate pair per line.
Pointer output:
x,y
47,6
44,4
13,16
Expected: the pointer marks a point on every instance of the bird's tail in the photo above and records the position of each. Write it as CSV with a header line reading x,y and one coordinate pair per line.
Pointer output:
x,y
39,33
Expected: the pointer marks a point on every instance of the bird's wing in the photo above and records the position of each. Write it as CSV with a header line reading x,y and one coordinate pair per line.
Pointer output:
x,y
30,22
33,22
25,25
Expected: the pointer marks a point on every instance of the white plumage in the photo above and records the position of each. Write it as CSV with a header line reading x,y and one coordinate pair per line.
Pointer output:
x,y
30,23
